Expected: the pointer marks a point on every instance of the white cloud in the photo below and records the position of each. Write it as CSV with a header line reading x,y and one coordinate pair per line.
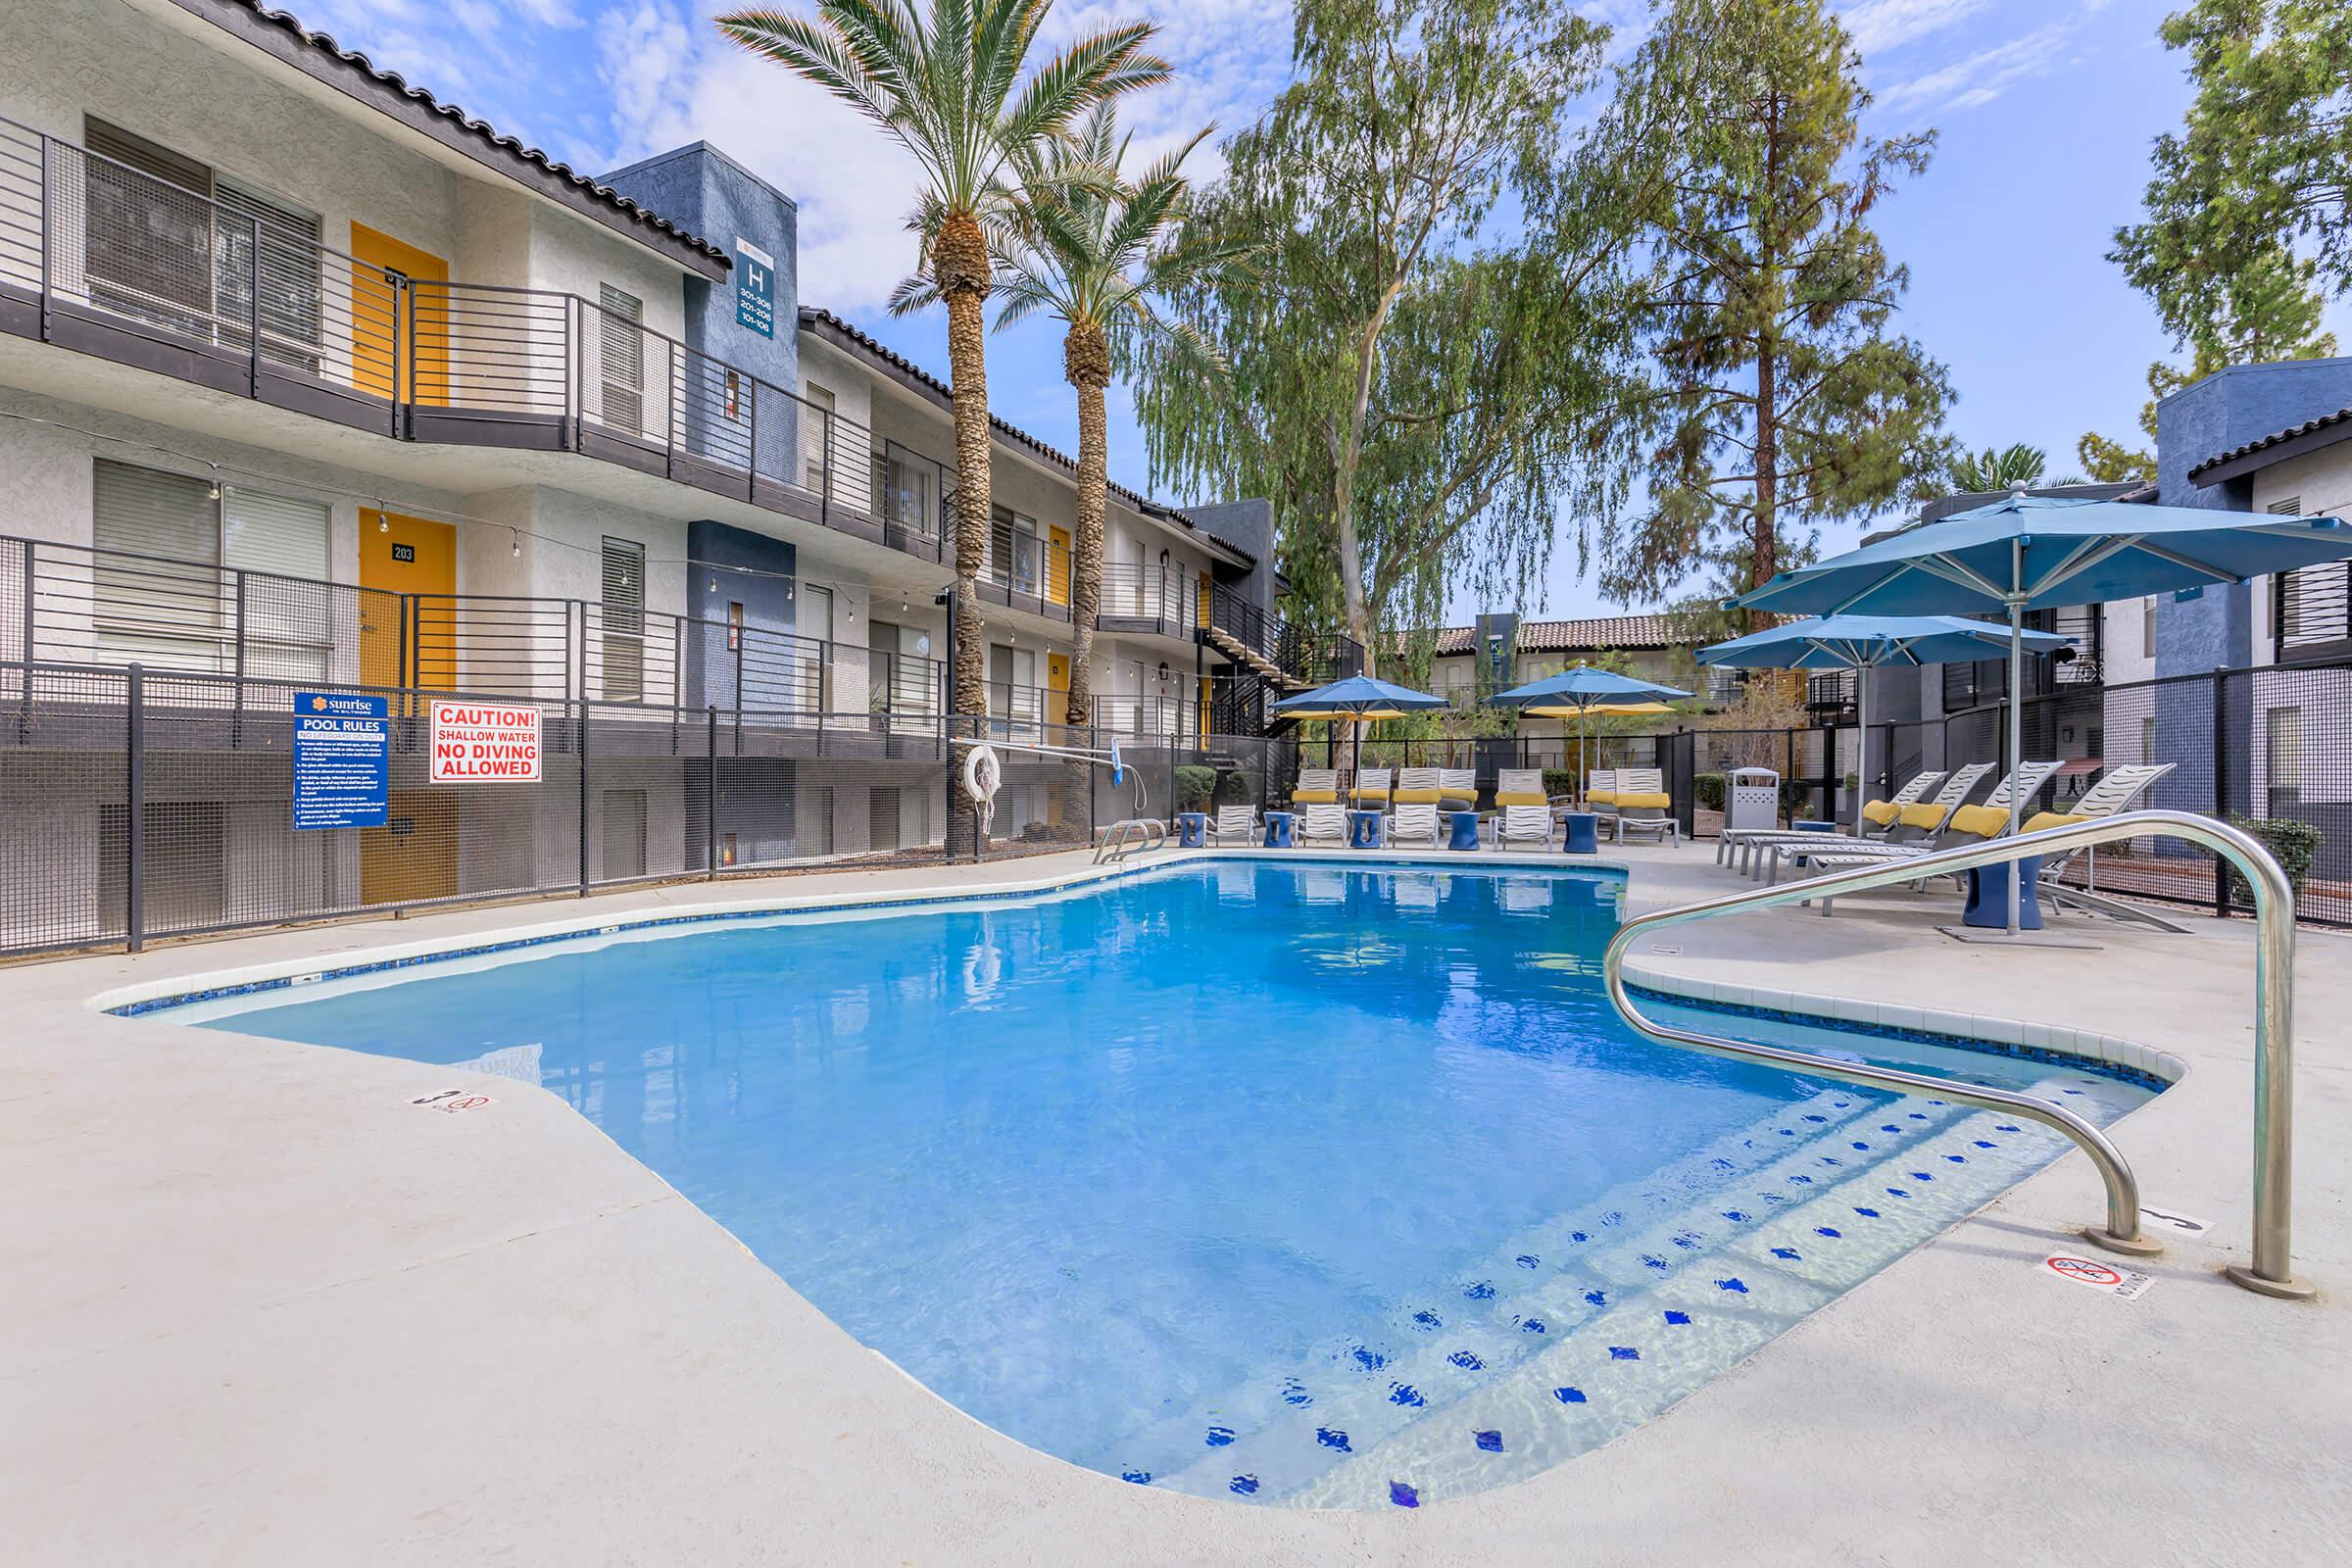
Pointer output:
x,y
1979,78
1881,24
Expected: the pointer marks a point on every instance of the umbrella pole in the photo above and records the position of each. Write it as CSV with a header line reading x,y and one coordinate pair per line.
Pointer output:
x,y
2017,749
1862,742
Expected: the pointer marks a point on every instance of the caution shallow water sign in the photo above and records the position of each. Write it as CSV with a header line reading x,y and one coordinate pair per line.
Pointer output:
x,y
477,742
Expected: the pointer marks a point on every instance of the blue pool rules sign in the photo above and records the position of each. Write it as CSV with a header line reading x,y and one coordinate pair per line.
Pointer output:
x,y
755,288
342,761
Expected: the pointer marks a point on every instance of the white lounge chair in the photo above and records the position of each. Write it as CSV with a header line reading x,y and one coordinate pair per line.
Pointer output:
x,y
1234,824
1371,791
1878,817
1416,786
1984,823
1639,802
1916,819
1457,789
1414,824
1600,791
1323,819
1524,825
1519,786
1316,785
2118,790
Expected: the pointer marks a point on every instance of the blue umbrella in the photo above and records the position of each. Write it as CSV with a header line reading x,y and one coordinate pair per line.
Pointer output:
x,y
1866,643
2038,551
1359,699
1578,690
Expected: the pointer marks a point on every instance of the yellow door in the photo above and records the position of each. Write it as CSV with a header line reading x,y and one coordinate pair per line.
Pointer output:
x,y
1202,606
1205,708
414,856
408,555
381,333
1057,707
1057,569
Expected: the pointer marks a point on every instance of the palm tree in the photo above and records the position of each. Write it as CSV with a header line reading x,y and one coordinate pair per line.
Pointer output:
x,y
2013,467
1091,249
949,88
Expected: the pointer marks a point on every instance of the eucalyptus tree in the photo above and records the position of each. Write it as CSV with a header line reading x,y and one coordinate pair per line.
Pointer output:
x,y
1093,249
1423,358
955,90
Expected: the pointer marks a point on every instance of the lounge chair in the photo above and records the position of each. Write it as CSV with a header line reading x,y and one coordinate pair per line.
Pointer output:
x,y
1457,789
1524,825
1372,789
1414,824
1416,786
1640,802
2118,790
1878,817
1316,786
1519,786
1237,824
1984,823
1600,791
1916,819
1323,819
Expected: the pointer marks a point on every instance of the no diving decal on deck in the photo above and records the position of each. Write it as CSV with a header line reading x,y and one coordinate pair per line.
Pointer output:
x,y
453,1101
2124,1284
477,742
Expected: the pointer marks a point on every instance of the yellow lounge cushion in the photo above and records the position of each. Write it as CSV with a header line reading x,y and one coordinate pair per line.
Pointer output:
x,y
1417,797
1600,797
2041,819
1371,795
1924,814
1520,798
1881,812
1984,821
1644,802
1315,797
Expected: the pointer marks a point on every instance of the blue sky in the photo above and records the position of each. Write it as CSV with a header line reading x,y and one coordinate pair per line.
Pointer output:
x,y
2045,110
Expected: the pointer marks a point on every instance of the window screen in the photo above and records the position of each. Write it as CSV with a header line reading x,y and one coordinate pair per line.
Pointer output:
x,y
288,604
149,230
155,587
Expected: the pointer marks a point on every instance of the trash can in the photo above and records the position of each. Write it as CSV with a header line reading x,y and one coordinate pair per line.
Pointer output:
x,y
1751,799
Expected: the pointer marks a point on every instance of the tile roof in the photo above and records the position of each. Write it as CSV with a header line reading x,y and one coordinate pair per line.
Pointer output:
x,y
1572,636
866,344
2274,438
581,187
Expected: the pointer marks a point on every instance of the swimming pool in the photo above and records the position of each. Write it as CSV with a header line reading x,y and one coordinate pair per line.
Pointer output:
x,y
1283,1181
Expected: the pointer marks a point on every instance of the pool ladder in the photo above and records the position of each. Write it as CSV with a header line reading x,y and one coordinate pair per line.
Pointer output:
x,y
2271,1272
1133,835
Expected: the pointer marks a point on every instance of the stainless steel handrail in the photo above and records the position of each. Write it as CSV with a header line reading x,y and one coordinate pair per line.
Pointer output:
x,y
2271,1272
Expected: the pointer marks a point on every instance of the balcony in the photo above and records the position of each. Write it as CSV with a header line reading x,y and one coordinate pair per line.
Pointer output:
x,y
1168,721
1024,572
106,260
73,607
1154,600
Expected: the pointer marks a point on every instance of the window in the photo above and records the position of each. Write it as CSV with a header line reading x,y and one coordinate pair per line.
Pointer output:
x,y
2147,738
621,620
1014,549
286,270
2147,627
620,353
905,489
148,226
734,624
816,436
158,593
2285,757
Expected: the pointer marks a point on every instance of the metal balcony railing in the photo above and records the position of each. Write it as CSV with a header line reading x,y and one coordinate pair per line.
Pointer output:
x,y
1027,571
1168,719
106,258
1162,600
72,604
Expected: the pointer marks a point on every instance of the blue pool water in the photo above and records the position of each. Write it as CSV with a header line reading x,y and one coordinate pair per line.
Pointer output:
x,y
1286,1182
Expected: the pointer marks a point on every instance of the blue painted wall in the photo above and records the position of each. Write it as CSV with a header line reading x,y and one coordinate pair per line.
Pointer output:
x,y
2216,629
726,566
710,194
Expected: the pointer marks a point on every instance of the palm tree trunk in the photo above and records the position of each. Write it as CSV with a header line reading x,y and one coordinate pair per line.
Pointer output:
x,y
1086,359
959,267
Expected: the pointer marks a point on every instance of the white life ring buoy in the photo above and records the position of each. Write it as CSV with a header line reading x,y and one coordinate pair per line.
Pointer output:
x,y
982,774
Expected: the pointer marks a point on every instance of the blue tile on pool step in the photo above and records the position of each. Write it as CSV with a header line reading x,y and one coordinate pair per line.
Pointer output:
x,y
1406,1395
1332,1438
1425,1320
1295,1392
1467,1361
1569,1396
1243,1486
1483,1290
1673,1316
1219,1437
1830,1231
1488,1442
1404,1496
1624,1353
1142,1478
1786,1253
1740,1286
1597,1297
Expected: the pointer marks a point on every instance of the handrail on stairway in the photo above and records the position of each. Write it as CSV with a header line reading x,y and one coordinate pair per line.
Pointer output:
x,y
2271,1272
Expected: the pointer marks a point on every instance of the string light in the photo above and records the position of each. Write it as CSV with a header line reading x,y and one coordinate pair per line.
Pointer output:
x,y
513,544
213,492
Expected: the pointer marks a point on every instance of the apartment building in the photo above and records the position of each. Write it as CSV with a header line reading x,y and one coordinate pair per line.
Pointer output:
x,y
307,376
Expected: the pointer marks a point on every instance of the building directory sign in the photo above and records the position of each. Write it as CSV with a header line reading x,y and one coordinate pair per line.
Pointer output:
x,y
755,288
342,761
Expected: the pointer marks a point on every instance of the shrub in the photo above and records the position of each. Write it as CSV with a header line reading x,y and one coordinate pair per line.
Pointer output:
x,y
1709,789
1559,781
1235,789
2294,845
1194,786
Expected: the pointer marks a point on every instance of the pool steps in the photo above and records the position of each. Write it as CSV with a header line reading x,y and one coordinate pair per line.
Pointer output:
x,y
1432,1446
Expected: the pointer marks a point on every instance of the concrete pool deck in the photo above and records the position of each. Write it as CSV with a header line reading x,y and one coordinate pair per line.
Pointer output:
x,y
263,1309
